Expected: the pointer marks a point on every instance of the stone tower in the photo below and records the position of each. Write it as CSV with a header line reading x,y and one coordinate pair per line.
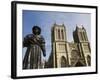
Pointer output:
x,y
80,37
59,46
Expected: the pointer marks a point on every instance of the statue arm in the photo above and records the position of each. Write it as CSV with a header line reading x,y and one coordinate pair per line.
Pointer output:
x,y
43,49
42,45
25,42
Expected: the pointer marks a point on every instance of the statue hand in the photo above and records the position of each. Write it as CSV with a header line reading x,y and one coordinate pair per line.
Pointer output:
x,y
31,41
44,54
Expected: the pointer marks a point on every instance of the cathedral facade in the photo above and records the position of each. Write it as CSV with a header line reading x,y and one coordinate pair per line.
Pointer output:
x,y
69,54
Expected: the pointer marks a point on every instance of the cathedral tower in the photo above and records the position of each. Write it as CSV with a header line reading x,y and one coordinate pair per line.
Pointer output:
x,y
59,47
80,37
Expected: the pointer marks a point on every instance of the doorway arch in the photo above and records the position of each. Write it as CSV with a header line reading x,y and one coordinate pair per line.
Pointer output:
x,y
63,62
78,64
89,60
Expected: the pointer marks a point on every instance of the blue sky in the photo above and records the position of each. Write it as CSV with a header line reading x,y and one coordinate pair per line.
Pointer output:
x,y
45,21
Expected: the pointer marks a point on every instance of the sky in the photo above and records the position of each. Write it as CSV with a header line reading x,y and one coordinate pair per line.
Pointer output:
x,y
46,19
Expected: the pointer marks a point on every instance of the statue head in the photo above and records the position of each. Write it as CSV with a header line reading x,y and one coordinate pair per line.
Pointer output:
x,y
36,30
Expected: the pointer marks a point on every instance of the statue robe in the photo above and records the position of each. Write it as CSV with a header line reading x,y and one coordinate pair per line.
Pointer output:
x,y
35,46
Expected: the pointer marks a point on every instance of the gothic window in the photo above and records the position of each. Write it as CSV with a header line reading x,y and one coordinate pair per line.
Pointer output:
x,y
63,62
86,47
59,33
62,33
84,37
62,48
89,60
81,36
56,34
75,54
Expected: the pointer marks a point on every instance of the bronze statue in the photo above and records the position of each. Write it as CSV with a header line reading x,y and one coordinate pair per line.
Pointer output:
x,y
35,44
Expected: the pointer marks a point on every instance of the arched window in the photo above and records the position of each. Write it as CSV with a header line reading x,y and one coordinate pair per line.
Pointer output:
x,y
59,33
81,36
75,54
62,34
63,62
89,60
56,34
84,36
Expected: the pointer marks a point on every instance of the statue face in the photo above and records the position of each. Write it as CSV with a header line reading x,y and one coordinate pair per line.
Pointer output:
x,y
36,30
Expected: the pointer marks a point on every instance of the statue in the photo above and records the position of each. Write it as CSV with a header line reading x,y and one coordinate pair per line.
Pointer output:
x,y
35,44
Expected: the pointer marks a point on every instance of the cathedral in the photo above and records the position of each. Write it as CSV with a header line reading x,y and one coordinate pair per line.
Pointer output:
x,y
69,54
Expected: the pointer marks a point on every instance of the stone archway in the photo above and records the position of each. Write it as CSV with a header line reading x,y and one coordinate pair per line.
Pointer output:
x,y
78,64
63,62
89,60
